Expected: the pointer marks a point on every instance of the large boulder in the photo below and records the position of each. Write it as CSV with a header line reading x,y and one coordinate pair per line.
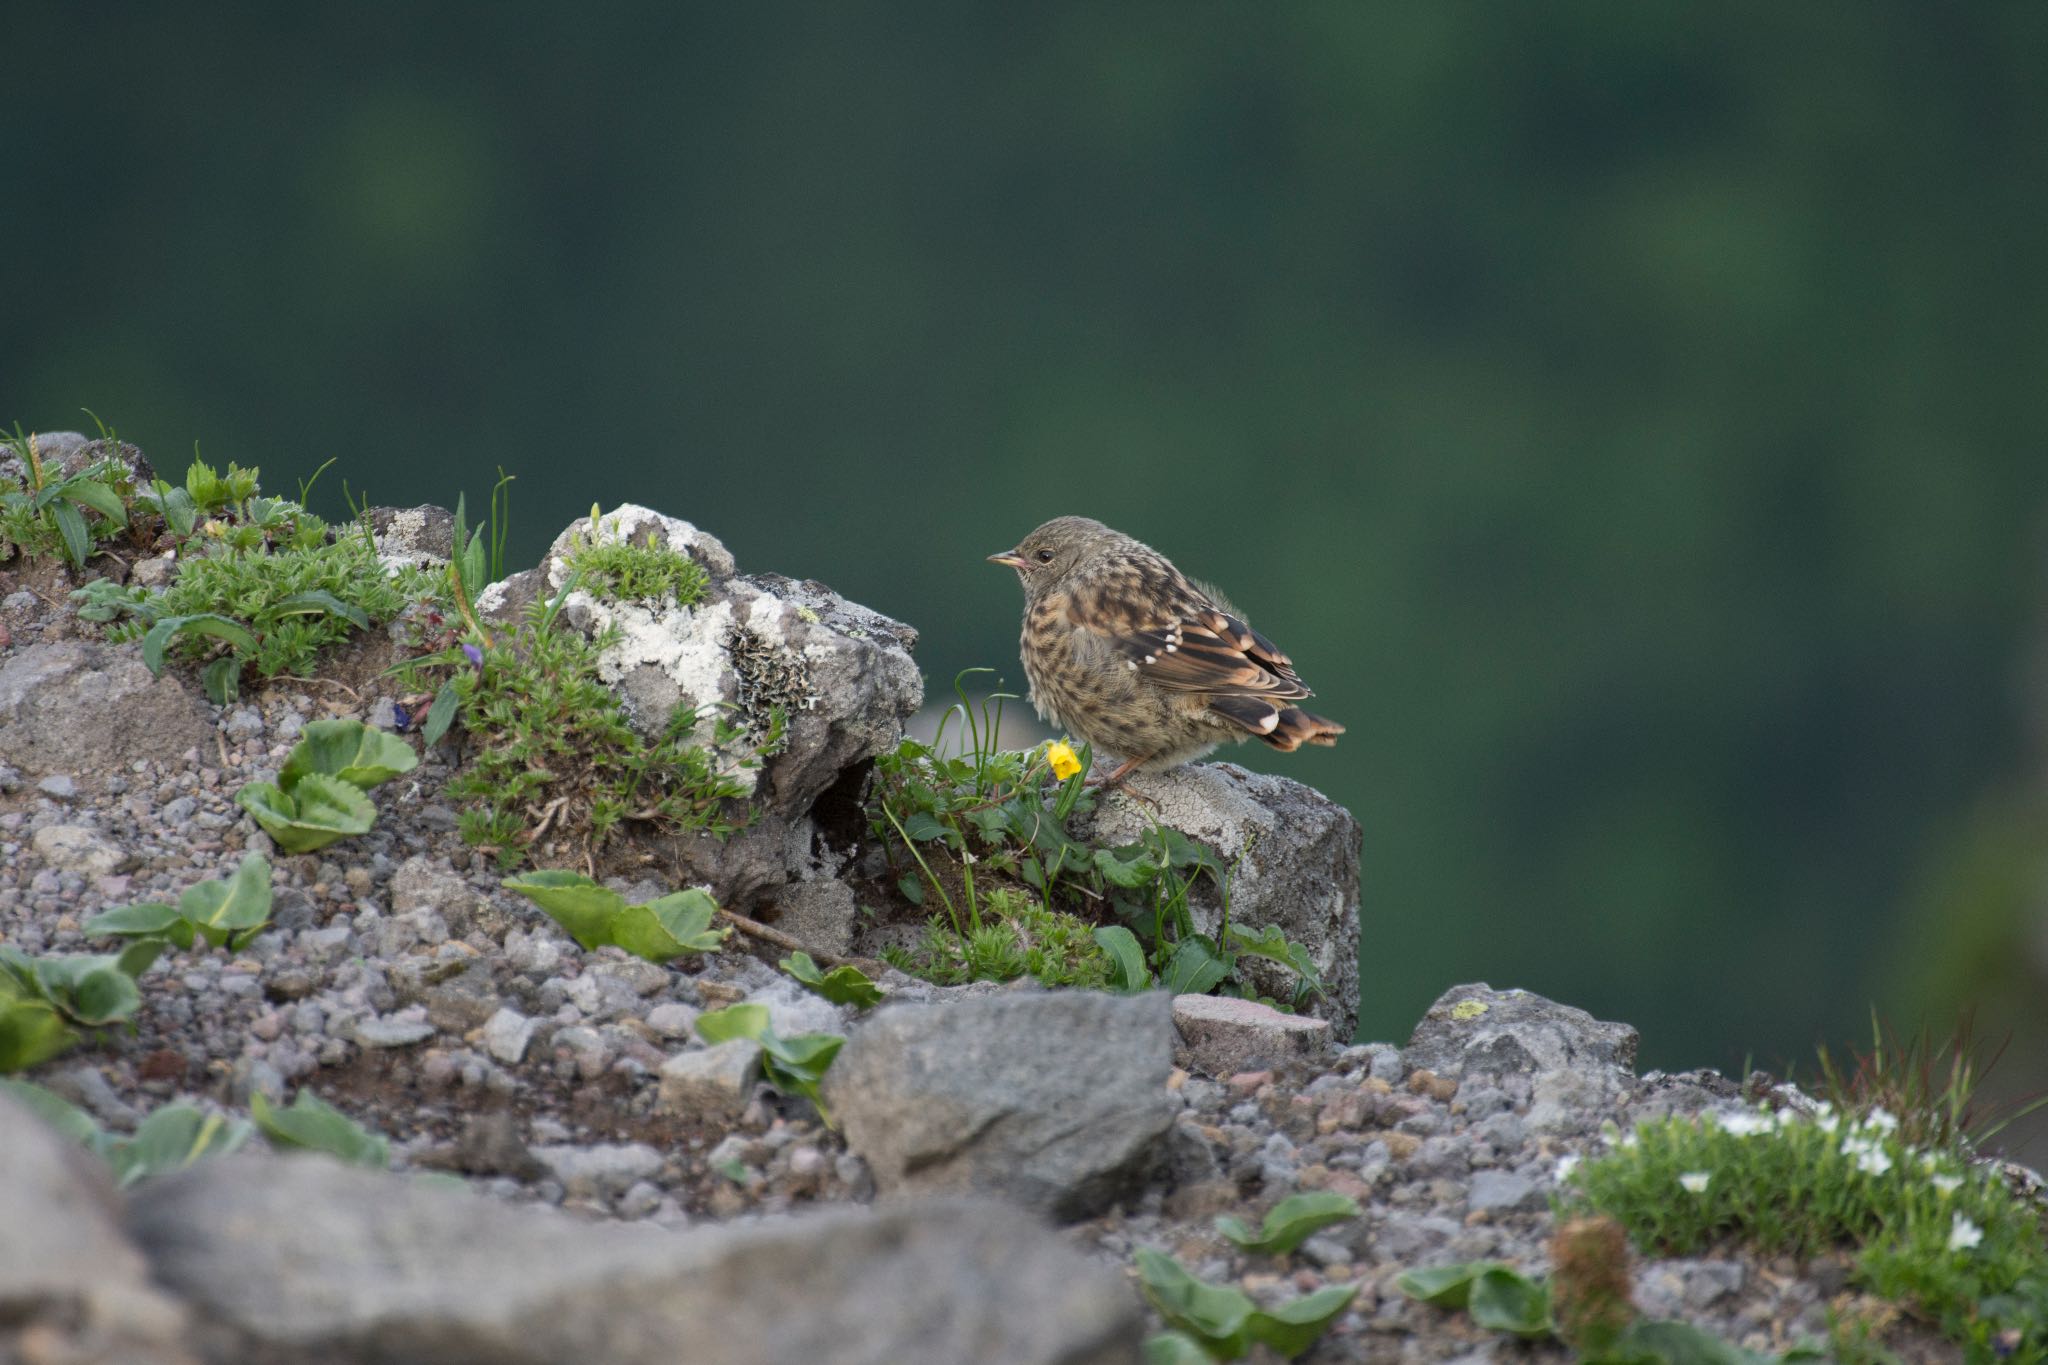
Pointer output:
x,y
67,1272
1056,1101
76,707
841,674
1294,859
306,1259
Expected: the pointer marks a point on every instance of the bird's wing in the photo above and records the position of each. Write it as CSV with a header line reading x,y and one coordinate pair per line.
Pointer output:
x,y
1169,631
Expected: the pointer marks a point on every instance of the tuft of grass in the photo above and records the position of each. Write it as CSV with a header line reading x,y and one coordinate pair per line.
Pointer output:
x,y
1017,937
47,515
1942,1236
1931,1086
551,752
634,571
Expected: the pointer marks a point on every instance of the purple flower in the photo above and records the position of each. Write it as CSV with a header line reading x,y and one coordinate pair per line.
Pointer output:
x,y
475,657
401,719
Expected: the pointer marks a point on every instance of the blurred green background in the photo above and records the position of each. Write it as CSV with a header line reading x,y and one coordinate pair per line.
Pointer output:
x,y
1630,418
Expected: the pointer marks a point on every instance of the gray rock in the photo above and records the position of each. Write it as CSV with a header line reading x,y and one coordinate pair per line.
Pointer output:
x,y
672,1019
841,675
76,848
1498,1191
1477,1028
422,536
712,1081
56,701
313,1260
506,1035
605,1170
1295,858
821,914
58,785
1226,1035
391,1030
64,1263
1053,1101
422,883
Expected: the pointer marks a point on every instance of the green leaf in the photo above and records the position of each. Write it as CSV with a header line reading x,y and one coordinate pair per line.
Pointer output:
x,y
734,1021
318,602
1126,958
923,826
1293,1327
221,679
100,498
912,889
321,810
843,985
313,1125
1175,1348
31,1031
1290,1222
441,714
204,623
676,924
1214,1315
71,526
1445,1286
1272,944
230,911
90,989
1195,968
127,920
1127,867
572,900
1507,1301
68,1119
171,1139
349,750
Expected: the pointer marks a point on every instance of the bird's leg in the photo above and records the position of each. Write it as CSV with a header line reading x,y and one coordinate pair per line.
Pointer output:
x,y
1122,772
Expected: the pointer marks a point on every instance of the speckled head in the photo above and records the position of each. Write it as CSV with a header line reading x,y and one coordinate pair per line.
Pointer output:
x,y
1050,556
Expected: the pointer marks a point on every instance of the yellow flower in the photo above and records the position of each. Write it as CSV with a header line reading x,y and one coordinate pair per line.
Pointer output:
x,y
1061,755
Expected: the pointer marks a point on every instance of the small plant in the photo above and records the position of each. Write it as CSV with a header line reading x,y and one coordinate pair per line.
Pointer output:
x,y
44,1001
1289,1223
226,912
1504,1300
971,827
320,793
1016,937
551,749
595,915
1222,1322
623,570
311,1124
843,985
1932,1087
1931,1230
794,1066
46,514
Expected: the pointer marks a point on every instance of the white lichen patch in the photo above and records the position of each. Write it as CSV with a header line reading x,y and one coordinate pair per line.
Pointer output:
x,y
400,546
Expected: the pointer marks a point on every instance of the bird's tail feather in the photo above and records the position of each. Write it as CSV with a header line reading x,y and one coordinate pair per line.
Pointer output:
x,y
1298,727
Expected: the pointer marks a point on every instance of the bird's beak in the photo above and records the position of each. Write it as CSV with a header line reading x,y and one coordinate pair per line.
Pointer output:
x,y
1011,558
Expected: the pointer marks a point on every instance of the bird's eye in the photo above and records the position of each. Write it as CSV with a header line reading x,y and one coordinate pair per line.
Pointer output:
x,y
1045,556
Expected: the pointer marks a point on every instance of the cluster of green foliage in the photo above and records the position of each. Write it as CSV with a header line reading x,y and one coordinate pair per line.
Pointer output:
x,y
177,1135
322,792
843,985
1207,1322
46,1001
986,832
551,748
595,915
1931,1228
263,585
624,570
46,515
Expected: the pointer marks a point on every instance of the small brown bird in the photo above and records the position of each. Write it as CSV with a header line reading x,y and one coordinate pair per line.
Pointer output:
x,y
1129,654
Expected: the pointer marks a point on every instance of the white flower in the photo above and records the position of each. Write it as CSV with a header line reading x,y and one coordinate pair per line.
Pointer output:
x,y
1880,1120
1565,1166
1873,1161
1947,1184
969,859
1825,1120
1745,1124
1929,1162
1695,1182
1963,1234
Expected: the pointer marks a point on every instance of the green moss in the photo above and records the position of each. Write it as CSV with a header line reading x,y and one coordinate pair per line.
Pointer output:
x,y
629,571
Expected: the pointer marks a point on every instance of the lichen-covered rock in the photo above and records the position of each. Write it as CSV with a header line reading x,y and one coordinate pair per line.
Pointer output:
x,y
1055,1101
420,536
1577,1066
1294,859
840,675
75,707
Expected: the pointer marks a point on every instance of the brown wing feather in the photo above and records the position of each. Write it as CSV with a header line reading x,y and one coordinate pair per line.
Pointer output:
x,y
1167,629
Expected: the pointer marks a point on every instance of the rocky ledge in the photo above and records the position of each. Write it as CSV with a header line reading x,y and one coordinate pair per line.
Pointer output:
x,y
579,1175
